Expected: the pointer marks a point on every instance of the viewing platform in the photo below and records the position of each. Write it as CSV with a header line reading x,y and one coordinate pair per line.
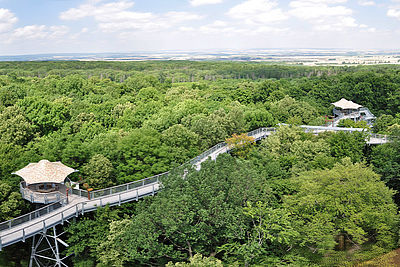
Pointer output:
x,y
43,193
345,109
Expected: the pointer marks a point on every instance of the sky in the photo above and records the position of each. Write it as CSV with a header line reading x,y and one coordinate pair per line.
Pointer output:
x,y
122,26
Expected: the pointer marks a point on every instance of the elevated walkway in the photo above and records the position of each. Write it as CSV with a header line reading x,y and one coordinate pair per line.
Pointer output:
x,y
38,221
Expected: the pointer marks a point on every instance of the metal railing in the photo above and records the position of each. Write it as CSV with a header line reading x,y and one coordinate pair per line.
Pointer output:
x,y
118,188
37,197
32,215
69,212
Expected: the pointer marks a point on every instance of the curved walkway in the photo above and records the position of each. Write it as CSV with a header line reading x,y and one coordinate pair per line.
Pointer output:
x,y
28,225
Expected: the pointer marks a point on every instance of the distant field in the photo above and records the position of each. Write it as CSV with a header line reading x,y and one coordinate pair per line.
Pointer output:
x,y
309,57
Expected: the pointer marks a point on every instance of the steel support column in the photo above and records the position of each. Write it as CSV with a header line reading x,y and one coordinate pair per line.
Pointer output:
x,y
46,250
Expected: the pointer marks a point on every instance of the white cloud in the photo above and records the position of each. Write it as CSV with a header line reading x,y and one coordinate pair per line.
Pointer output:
x,y
7,20
91,9
324,15
116,16
254,12
366,3
394,12
204,2
219,27
309,9
39,32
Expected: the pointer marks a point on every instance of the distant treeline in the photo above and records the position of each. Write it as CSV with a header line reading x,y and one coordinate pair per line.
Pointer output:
x,y
177,71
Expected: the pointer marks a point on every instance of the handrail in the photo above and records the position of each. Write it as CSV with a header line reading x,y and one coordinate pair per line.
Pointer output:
x,y
39,197
114,189
32,215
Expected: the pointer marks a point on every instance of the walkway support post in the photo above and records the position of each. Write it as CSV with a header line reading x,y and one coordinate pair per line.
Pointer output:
x,y
46,250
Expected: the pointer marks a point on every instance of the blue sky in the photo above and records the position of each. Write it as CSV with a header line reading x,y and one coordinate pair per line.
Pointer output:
x,y
81,26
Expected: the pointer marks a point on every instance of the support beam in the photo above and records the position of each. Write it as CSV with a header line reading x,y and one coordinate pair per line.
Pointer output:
x,y
46,249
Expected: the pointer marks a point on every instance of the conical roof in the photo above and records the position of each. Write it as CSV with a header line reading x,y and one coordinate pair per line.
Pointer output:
x,y
45,172
346,104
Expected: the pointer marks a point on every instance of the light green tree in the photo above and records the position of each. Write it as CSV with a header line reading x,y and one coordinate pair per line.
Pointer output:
x,y
348,201
98,172
198,261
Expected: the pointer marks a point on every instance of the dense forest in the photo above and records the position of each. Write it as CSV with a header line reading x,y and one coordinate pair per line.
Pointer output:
x,y
292,199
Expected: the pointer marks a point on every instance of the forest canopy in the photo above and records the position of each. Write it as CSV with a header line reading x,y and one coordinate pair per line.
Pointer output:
x,y
293,198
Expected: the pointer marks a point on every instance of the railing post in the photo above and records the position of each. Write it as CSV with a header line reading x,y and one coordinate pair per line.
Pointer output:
x,y
143,183
101,203
83,208
76,211
137,195
23,234
62,217
45,199
44,226
127,187
9,224
110,191
48,211
1,244
153,190
80,193
119,200
30,216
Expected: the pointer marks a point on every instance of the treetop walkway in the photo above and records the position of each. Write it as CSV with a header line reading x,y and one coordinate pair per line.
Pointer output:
x,y
80,202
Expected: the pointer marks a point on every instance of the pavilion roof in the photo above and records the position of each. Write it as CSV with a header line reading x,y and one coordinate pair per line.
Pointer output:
x,y
346,104
45,172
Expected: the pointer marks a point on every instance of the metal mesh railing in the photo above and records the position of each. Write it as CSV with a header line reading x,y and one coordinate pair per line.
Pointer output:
x,y
32,215
118,188
65,213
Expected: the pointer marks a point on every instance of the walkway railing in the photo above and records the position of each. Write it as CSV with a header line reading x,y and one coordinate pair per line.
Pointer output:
x,y
32,215
37,226
37,197
118,188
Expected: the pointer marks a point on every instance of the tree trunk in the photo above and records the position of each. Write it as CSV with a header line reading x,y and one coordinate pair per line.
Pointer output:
x,y
190,249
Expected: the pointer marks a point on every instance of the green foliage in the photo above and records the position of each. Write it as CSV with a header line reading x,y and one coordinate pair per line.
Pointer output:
x,y
198,261
98,172
298,151
47,115
203,213
289,110
349,200
241,145
122,121
346,144
141,154
256,118
217,126
86,235
347,123
14,127
10,202
182,143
